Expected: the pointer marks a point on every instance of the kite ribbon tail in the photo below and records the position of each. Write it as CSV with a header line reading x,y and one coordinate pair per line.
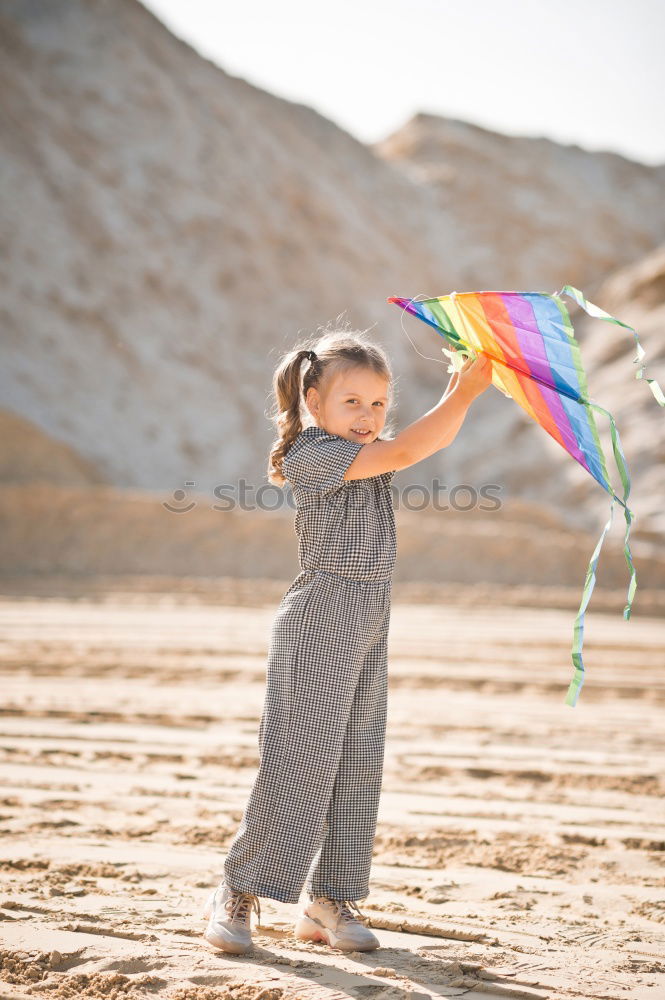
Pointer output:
x,y
578,678
578,630
628,514
598,313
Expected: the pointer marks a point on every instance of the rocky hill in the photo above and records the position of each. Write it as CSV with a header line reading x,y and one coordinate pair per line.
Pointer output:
x,y
534,213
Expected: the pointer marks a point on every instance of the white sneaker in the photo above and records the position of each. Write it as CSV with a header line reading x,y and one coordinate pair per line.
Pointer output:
x,y
333,922
229,915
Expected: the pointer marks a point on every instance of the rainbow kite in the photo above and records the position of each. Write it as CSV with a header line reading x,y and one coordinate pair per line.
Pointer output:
x,y
536,360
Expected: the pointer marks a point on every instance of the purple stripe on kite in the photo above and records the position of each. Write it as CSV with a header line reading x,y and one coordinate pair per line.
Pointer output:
x,y
529,337
535,359
560,352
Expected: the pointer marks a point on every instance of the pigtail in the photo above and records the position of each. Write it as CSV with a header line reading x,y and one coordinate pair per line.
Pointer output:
x,y
287,386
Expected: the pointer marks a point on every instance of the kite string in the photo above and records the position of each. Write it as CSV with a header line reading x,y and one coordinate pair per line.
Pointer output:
x,y
401,319
455,376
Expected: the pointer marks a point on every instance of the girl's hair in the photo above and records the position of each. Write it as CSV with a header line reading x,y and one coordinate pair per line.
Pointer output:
x,y
337,350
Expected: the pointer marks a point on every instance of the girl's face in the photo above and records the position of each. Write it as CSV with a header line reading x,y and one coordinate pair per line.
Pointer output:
x,y
352,404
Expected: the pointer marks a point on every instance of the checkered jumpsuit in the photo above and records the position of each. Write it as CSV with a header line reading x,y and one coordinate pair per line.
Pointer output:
x,y
311,815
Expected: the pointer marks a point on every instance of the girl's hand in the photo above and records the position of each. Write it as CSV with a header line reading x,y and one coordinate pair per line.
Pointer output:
x,y
476,375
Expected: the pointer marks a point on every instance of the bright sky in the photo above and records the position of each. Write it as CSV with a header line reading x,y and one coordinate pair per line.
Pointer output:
x,y
590,72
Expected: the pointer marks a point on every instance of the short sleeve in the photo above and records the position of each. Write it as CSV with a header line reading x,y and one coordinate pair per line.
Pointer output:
x,y
319,463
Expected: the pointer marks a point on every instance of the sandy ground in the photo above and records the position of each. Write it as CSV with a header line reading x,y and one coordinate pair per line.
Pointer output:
x,y
519,849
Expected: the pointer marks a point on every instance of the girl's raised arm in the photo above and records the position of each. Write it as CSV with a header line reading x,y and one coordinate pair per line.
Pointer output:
x,y
434,430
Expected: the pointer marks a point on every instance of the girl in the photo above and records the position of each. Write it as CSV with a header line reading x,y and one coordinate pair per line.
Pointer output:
x,y
311,815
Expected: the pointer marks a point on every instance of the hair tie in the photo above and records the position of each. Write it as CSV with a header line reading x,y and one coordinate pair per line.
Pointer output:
x,y
311,356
